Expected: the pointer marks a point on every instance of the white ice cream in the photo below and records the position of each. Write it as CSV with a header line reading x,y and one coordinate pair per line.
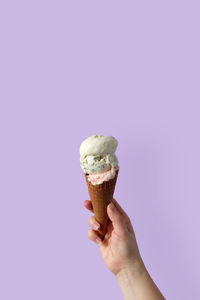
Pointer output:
x,y
97,154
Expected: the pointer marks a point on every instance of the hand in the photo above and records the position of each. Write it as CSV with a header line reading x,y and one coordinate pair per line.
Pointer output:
x,y
119,248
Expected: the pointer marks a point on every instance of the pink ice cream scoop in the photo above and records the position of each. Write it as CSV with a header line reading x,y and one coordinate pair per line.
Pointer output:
x,y
99,178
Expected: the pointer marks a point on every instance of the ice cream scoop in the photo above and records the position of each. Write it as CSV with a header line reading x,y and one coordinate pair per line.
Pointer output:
x,y
98,145
98,163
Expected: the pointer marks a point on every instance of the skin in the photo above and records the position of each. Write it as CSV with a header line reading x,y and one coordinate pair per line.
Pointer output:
x,y
121,254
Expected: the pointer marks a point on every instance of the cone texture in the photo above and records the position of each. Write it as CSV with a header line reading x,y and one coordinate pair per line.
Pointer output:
x,y
101,195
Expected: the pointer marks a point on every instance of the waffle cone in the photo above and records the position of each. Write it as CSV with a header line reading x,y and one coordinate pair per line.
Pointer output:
x,y
101,195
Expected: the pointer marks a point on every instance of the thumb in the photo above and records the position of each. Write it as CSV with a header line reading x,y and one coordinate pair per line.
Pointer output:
x,y
116,218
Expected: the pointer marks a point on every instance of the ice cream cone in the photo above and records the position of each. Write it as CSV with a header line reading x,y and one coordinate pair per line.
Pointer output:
x,y
101,195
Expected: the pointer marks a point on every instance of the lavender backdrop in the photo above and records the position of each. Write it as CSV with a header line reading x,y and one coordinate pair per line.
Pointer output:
x,y
70,69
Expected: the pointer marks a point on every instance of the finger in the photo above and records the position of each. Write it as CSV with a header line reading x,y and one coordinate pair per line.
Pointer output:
x,y
93,236
120,209
116,218
128,224
109,230
93,223
88,205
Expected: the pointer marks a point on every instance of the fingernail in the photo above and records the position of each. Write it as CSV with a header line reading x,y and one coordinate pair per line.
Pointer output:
x,y
95,226
112,206
99,241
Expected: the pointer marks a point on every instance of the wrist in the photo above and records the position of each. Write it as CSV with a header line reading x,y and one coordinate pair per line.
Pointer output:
x,y
133,270
136,283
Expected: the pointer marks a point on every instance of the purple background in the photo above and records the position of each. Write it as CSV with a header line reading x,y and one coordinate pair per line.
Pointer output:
x,y
71,69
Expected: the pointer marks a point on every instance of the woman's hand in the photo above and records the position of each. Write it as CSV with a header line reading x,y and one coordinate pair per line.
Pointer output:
x,y
120,252
119,248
